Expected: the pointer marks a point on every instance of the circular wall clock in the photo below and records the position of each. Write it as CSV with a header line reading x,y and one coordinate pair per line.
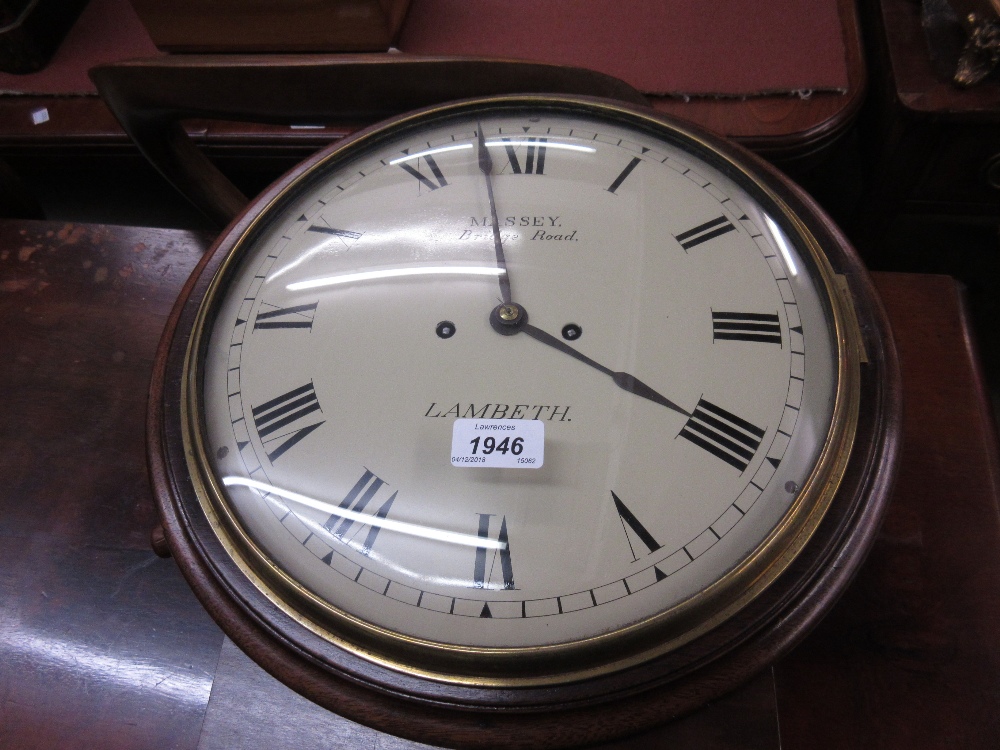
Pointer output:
x,y
523,420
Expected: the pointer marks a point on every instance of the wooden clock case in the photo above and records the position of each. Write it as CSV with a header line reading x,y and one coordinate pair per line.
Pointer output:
x,y
612,705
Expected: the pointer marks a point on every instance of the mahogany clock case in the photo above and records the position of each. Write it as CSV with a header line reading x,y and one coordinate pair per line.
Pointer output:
x,y
608,705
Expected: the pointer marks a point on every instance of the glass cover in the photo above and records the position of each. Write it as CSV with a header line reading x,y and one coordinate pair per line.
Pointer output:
x,y
524,445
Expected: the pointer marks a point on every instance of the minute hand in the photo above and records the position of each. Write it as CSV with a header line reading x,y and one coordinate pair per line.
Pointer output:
x,y
622,379
486,167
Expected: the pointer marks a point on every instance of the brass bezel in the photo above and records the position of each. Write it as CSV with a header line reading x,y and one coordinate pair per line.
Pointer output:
x,y
576,660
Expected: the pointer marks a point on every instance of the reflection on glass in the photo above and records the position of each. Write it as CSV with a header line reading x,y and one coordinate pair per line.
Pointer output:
x,y
779,237
430,152
495,143
504,142
425,532
388,273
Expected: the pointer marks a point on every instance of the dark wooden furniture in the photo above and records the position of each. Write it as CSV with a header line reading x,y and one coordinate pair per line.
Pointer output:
x,y
789,130
934,147
152,97
103,645
31,30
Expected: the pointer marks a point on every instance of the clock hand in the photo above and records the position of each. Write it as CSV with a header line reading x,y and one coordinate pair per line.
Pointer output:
x,y
623,380
510,319
486,167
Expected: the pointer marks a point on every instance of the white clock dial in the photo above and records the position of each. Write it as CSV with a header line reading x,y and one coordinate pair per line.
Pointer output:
x,y
676,344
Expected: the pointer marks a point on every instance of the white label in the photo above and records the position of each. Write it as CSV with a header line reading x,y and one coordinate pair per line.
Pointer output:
x,y
503,443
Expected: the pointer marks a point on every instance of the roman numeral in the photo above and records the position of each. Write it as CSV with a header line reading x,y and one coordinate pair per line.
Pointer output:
x,y
534,160
739,326
625,173
362,493
424,180
278,413
704,232
479,576
723,434
629,519
297,316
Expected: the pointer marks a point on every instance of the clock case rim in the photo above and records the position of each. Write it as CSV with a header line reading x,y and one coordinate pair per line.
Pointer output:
x,y
540,665
677,681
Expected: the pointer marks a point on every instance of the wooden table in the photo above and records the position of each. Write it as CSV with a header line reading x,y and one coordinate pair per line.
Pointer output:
x,y
102,645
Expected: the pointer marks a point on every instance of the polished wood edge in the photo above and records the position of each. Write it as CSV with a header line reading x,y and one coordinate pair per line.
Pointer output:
x,y
784,129
991,437
159,478
809,142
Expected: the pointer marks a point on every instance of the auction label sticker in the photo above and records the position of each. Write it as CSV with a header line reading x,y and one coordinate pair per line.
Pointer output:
x,y
498,443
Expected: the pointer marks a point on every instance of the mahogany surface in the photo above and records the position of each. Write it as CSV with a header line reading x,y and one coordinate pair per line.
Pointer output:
x,y
103,645
910,657
101,642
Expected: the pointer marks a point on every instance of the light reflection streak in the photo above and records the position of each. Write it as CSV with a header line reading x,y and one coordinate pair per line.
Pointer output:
x,y
388,273
430,151
541,144
389,524
501,143
495,143
779,237
322,531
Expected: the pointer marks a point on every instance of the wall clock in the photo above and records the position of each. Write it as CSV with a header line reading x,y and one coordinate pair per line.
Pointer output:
x,y
523,420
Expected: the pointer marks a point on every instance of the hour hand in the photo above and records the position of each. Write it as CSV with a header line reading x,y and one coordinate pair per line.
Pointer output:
x,y
510,318
632,384
623,380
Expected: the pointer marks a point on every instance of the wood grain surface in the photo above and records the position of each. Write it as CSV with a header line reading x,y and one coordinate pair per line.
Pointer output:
x,y
910,657
103,645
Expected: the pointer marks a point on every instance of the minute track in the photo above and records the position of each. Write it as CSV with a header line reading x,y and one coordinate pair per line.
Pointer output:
x,y
341,560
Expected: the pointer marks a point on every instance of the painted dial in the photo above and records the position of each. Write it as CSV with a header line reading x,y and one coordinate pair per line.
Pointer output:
x,y
671,340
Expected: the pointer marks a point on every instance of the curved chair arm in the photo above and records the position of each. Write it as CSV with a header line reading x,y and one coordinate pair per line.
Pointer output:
x,y
151,97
